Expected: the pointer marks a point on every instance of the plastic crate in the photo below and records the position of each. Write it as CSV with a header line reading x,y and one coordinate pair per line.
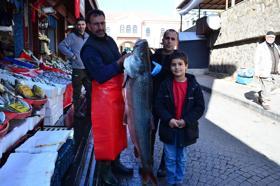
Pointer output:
x,y
243,80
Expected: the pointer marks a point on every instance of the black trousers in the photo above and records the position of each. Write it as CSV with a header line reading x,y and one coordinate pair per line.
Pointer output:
x,y
79,79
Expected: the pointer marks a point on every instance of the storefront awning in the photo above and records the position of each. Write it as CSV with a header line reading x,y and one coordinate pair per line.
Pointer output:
x,y
188,5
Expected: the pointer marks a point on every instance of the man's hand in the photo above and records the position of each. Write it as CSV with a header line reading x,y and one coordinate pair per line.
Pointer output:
x,y
173,123
121,59
74,57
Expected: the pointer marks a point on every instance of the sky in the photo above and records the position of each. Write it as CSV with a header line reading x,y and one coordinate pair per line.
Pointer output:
x,y
166,8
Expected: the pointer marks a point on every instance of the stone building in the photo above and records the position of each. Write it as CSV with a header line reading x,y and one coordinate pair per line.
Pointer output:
x,y
126,28
243,24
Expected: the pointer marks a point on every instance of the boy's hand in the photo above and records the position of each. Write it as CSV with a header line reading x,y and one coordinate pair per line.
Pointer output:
x,y
181,123
173,123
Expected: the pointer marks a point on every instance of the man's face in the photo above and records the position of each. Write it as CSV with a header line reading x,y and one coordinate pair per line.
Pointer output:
x,y
97,25
270,38
170,41
81,26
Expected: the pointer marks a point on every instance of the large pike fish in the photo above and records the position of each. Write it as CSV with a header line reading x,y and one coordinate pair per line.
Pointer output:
x,y
138,92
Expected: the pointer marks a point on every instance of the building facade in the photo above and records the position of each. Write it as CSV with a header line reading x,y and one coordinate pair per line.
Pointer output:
x,y
127,28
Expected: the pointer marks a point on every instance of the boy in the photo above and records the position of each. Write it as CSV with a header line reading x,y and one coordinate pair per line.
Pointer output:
x,y
179,104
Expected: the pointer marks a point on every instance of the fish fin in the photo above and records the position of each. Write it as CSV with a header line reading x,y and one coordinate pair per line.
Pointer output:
x,y
125,119
126,78
148,175
152,122
125,114
136,153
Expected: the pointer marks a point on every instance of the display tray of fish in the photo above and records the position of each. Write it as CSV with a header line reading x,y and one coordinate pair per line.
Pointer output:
x,y
55,77
138,106
4,128
2,118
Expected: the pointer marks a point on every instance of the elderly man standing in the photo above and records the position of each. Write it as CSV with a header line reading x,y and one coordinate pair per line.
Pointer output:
x,y
267,68
71,47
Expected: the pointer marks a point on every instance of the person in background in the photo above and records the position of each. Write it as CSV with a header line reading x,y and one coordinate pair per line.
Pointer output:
x,y
104,65
161,70
71,47
267,68
2,55
179,104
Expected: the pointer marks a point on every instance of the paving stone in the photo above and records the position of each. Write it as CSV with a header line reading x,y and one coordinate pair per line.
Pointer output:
x,y
274,183
246,184
217,158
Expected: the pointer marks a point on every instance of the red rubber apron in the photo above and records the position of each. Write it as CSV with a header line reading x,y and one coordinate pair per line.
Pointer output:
x,y
107,111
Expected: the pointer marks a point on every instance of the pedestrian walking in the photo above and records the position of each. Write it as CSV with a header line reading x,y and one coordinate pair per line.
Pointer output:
x,y
179,104
267,69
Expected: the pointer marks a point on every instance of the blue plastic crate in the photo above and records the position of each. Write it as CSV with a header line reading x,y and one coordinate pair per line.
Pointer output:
x,y
19,63
243,80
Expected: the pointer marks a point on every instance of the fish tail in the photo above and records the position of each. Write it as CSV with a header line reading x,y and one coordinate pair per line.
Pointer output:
x,y
148,176
153,178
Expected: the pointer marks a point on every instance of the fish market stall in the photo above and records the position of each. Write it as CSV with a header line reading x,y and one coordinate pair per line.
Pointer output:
x,y
33,96
47,155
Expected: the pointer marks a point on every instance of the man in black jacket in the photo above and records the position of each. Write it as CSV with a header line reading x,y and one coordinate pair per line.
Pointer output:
x,y
162,58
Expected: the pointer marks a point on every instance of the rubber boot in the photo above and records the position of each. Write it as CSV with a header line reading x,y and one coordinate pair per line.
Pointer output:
x,y
106,173
119,168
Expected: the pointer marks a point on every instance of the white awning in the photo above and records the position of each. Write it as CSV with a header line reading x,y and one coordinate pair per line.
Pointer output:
x,y
192,4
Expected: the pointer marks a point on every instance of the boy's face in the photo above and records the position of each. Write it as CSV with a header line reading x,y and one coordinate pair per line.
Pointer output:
x,y
178,68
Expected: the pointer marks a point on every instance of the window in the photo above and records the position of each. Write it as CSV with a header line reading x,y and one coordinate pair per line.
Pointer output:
x,y
148,32
134,29
122,29
128,29
162,31
108,30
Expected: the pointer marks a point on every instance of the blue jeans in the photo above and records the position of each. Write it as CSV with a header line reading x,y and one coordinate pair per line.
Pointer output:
x,y
175,160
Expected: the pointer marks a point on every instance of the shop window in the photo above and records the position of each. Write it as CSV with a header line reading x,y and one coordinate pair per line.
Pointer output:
x,y
134,29
122,29
148,32
128,29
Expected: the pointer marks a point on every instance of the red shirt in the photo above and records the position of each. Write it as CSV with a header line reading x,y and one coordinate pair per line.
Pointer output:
x,y
179,92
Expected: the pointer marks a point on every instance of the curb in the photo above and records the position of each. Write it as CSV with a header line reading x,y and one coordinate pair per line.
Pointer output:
x,y
249,105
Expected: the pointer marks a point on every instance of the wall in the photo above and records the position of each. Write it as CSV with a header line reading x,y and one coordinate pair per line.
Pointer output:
x,y
242,27
142,21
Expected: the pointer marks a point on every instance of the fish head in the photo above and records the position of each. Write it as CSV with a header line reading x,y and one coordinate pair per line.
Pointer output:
x,y
139,61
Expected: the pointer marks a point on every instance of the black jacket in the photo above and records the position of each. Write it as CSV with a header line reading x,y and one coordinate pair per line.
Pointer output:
x,y
99,56
192,110
165,72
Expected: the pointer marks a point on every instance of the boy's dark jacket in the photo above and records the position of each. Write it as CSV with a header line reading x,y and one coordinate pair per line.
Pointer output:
x,y
192,110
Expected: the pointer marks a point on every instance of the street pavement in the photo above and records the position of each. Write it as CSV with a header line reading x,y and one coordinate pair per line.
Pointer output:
x,y
237,146
244,95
